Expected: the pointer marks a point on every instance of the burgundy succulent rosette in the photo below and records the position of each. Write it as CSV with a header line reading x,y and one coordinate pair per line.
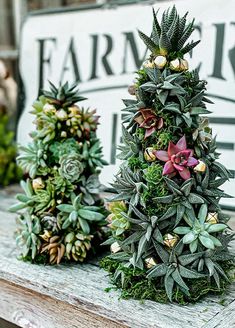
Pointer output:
x,y
149,121
178,159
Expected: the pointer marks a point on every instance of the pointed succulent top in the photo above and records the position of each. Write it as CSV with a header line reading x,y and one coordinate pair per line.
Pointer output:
x,y
168,38
64,96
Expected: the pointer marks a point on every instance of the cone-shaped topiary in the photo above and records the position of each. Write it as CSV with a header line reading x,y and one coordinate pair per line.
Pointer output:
x,y
169,235
61,213
9,171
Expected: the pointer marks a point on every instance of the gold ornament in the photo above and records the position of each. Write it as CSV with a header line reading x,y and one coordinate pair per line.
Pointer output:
x,y
115,247
148,64
200,167
74,110
212,218
150,262
149,154
48,108
170,240
184,65
160,62
61,115
179,65
38,183
63,134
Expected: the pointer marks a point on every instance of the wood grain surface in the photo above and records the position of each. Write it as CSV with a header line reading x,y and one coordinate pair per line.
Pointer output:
x,y
33,296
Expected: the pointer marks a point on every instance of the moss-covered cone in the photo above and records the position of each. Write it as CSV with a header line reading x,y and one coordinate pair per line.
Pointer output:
x,y
61,214
171,234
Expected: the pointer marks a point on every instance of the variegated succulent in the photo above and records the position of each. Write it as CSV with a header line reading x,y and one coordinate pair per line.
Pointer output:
x,y
61,195
170,225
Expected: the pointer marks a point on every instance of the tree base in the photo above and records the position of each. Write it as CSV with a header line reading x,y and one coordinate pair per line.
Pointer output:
x,y
137,286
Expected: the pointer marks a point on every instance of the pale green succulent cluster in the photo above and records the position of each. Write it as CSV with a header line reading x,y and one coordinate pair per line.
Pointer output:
x,y
61,194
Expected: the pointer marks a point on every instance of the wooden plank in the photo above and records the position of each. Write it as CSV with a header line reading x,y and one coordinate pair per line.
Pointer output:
x,y
79,289
29,309
224,319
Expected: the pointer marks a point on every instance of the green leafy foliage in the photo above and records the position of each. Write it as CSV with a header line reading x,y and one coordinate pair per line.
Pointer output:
x,y
9,171
176,244
61,213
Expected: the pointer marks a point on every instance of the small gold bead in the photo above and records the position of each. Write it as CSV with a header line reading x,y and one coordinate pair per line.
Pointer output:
x,y
115,247
212,218
200,167
149,154
170,240
150,262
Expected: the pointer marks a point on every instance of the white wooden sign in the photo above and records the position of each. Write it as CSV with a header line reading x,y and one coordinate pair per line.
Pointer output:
x,y
100,47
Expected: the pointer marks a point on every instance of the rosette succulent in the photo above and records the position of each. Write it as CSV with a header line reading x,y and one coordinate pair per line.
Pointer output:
x,y
148,120
77,245
71,167
178,159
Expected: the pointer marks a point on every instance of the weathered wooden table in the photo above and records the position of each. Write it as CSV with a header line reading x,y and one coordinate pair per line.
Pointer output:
x,y
37,296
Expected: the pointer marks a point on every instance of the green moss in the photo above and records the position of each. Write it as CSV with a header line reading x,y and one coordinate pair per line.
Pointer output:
x,y
137,286
135,163
156,188
142,77
163,139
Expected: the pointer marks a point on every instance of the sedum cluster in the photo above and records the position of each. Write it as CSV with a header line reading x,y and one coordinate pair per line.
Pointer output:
x,y
60,213
167,226
9,171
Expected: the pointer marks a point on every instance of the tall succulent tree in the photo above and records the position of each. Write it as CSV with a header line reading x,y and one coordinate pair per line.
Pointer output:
x,y
166,220
61,213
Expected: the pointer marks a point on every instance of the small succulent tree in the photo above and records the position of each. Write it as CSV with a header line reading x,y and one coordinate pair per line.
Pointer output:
x,y
9,171
61,213
169,235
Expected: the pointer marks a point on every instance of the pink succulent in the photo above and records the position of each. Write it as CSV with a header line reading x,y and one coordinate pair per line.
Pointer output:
x,y
149,121
178,159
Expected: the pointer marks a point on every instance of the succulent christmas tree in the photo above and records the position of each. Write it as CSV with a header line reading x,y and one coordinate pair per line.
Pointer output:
x,y
61,214
169,235
9,171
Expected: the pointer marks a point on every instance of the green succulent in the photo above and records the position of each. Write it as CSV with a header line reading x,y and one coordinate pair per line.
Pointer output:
x,y
25,200
28,229
33,158
169,36
67,146
63,187
117,220
77,245
203,134
181,200
130,186
173,271
64,96
50,222
130,146
44,199
200,232
91,152
90,189
79,215
71,167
